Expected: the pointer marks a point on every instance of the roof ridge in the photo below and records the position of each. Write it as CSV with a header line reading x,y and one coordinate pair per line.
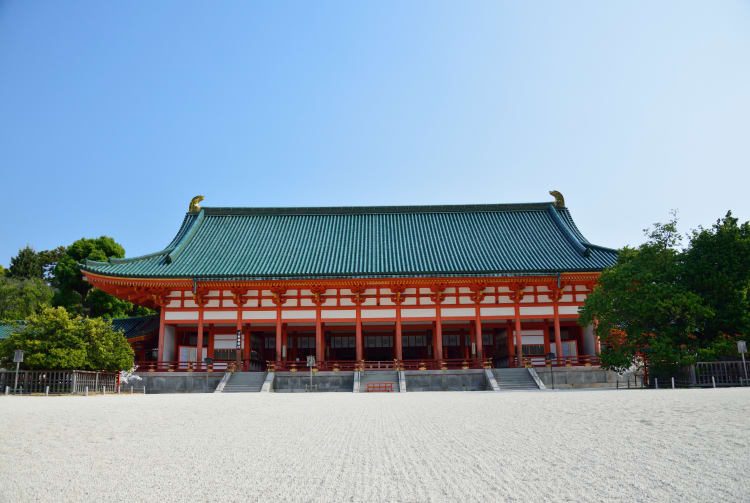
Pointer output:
x,y
358,210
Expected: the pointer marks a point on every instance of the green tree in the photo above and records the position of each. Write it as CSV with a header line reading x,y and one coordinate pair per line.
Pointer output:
x,y
26,264
641,306
22,297
717,267
76,294
53,340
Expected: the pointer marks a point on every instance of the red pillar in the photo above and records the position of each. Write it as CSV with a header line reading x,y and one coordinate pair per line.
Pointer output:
x,y
438,334
161,334
558,340
199,342
358,342
278,334
211,334
248,347
478,334
519,338
319,350
397,341
546,337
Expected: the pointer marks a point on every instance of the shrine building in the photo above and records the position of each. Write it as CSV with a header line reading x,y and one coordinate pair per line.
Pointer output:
x,y
405,287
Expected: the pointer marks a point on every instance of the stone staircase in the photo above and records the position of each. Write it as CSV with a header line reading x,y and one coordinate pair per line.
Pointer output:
x,y
514,379
245,382
369,376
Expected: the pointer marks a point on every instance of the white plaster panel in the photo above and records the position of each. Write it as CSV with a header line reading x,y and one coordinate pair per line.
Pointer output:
x,y
450,289
293,291
503,289
212,293
502,299
252,303
410,291
386,301
464,289
544,298
527,299
252,292
338,313
370,291
567,288
329,302
581,288
385,291
258,315
346,291
496,311
347,302
580,297
306,303
378,313
330,291
190,303
566,298
526,332
533,339
297,315
457,311
267,303
425,300
220,315
181,315
187,293
425,290
174,303
175,293
290,303
449,300
228,303
410,301
568,309
226,293
488,299
370,302
213,303
465,300
528,289
538,310
542,288
306,292
417,313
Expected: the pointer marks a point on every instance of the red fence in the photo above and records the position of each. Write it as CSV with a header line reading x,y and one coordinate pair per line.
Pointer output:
x,y
565,361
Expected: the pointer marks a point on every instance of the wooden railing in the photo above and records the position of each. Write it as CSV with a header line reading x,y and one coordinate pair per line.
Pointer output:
x,y
172,366
565,361
379,386
365,365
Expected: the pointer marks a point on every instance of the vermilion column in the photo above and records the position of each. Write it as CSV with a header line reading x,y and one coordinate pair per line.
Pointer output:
x,y
210,351
558,340
278,334
358,343
519,338
248,347
397,341
161,334
199,342
478,333
319,350
438,334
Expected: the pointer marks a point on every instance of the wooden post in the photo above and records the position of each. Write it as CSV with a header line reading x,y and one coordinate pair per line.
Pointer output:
x,y
319,342
278,334
397,340
161,334
211,341
519,338
558,340
199,342
438,353
478,333
358,342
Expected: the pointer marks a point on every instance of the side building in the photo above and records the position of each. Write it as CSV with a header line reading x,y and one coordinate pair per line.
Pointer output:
x,y
461,286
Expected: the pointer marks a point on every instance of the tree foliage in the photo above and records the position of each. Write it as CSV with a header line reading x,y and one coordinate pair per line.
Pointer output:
x,y
19,298
76,294
26,264
53,340
673,306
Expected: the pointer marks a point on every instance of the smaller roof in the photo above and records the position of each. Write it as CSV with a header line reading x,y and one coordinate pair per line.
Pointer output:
x,y
7,328
137,326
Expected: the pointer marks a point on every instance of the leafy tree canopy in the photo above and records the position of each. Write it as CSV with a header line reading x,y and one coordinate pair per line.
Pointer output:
x,y
22,297
673,306
32,264
53,340
76,294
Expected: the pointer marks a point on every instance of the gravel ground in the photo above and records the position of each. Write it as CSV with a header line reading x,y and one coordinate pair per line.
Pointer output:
x,y
604,445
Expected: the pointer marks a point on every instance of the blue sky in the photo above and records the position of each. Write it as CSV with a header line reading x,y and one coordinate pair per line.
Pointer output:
x,y
113,115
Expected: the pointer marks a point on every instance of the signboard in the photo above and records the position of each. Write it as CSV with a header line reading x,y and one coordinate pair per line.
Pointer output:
x,y
239,339
310,361
18,356
741,347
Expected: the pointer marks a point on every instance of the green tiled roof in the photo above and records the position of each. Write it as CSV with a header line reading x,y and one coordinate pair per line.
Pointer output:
x,y
137,326
388,241
6,329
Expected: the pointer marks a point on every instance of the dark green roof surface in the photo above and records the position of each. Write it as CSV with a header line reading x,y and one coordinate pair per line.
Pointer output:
x,y
388,241
137,326
5,330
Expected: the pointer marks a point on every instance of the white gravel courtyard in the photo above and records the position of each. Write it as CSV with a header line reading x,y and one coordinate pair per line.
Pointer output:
x,y
605,445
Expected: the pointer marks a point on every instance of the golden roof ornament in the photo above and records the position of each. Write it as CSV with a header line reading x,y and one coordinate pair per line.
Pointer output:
x,y
559,200
194,207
